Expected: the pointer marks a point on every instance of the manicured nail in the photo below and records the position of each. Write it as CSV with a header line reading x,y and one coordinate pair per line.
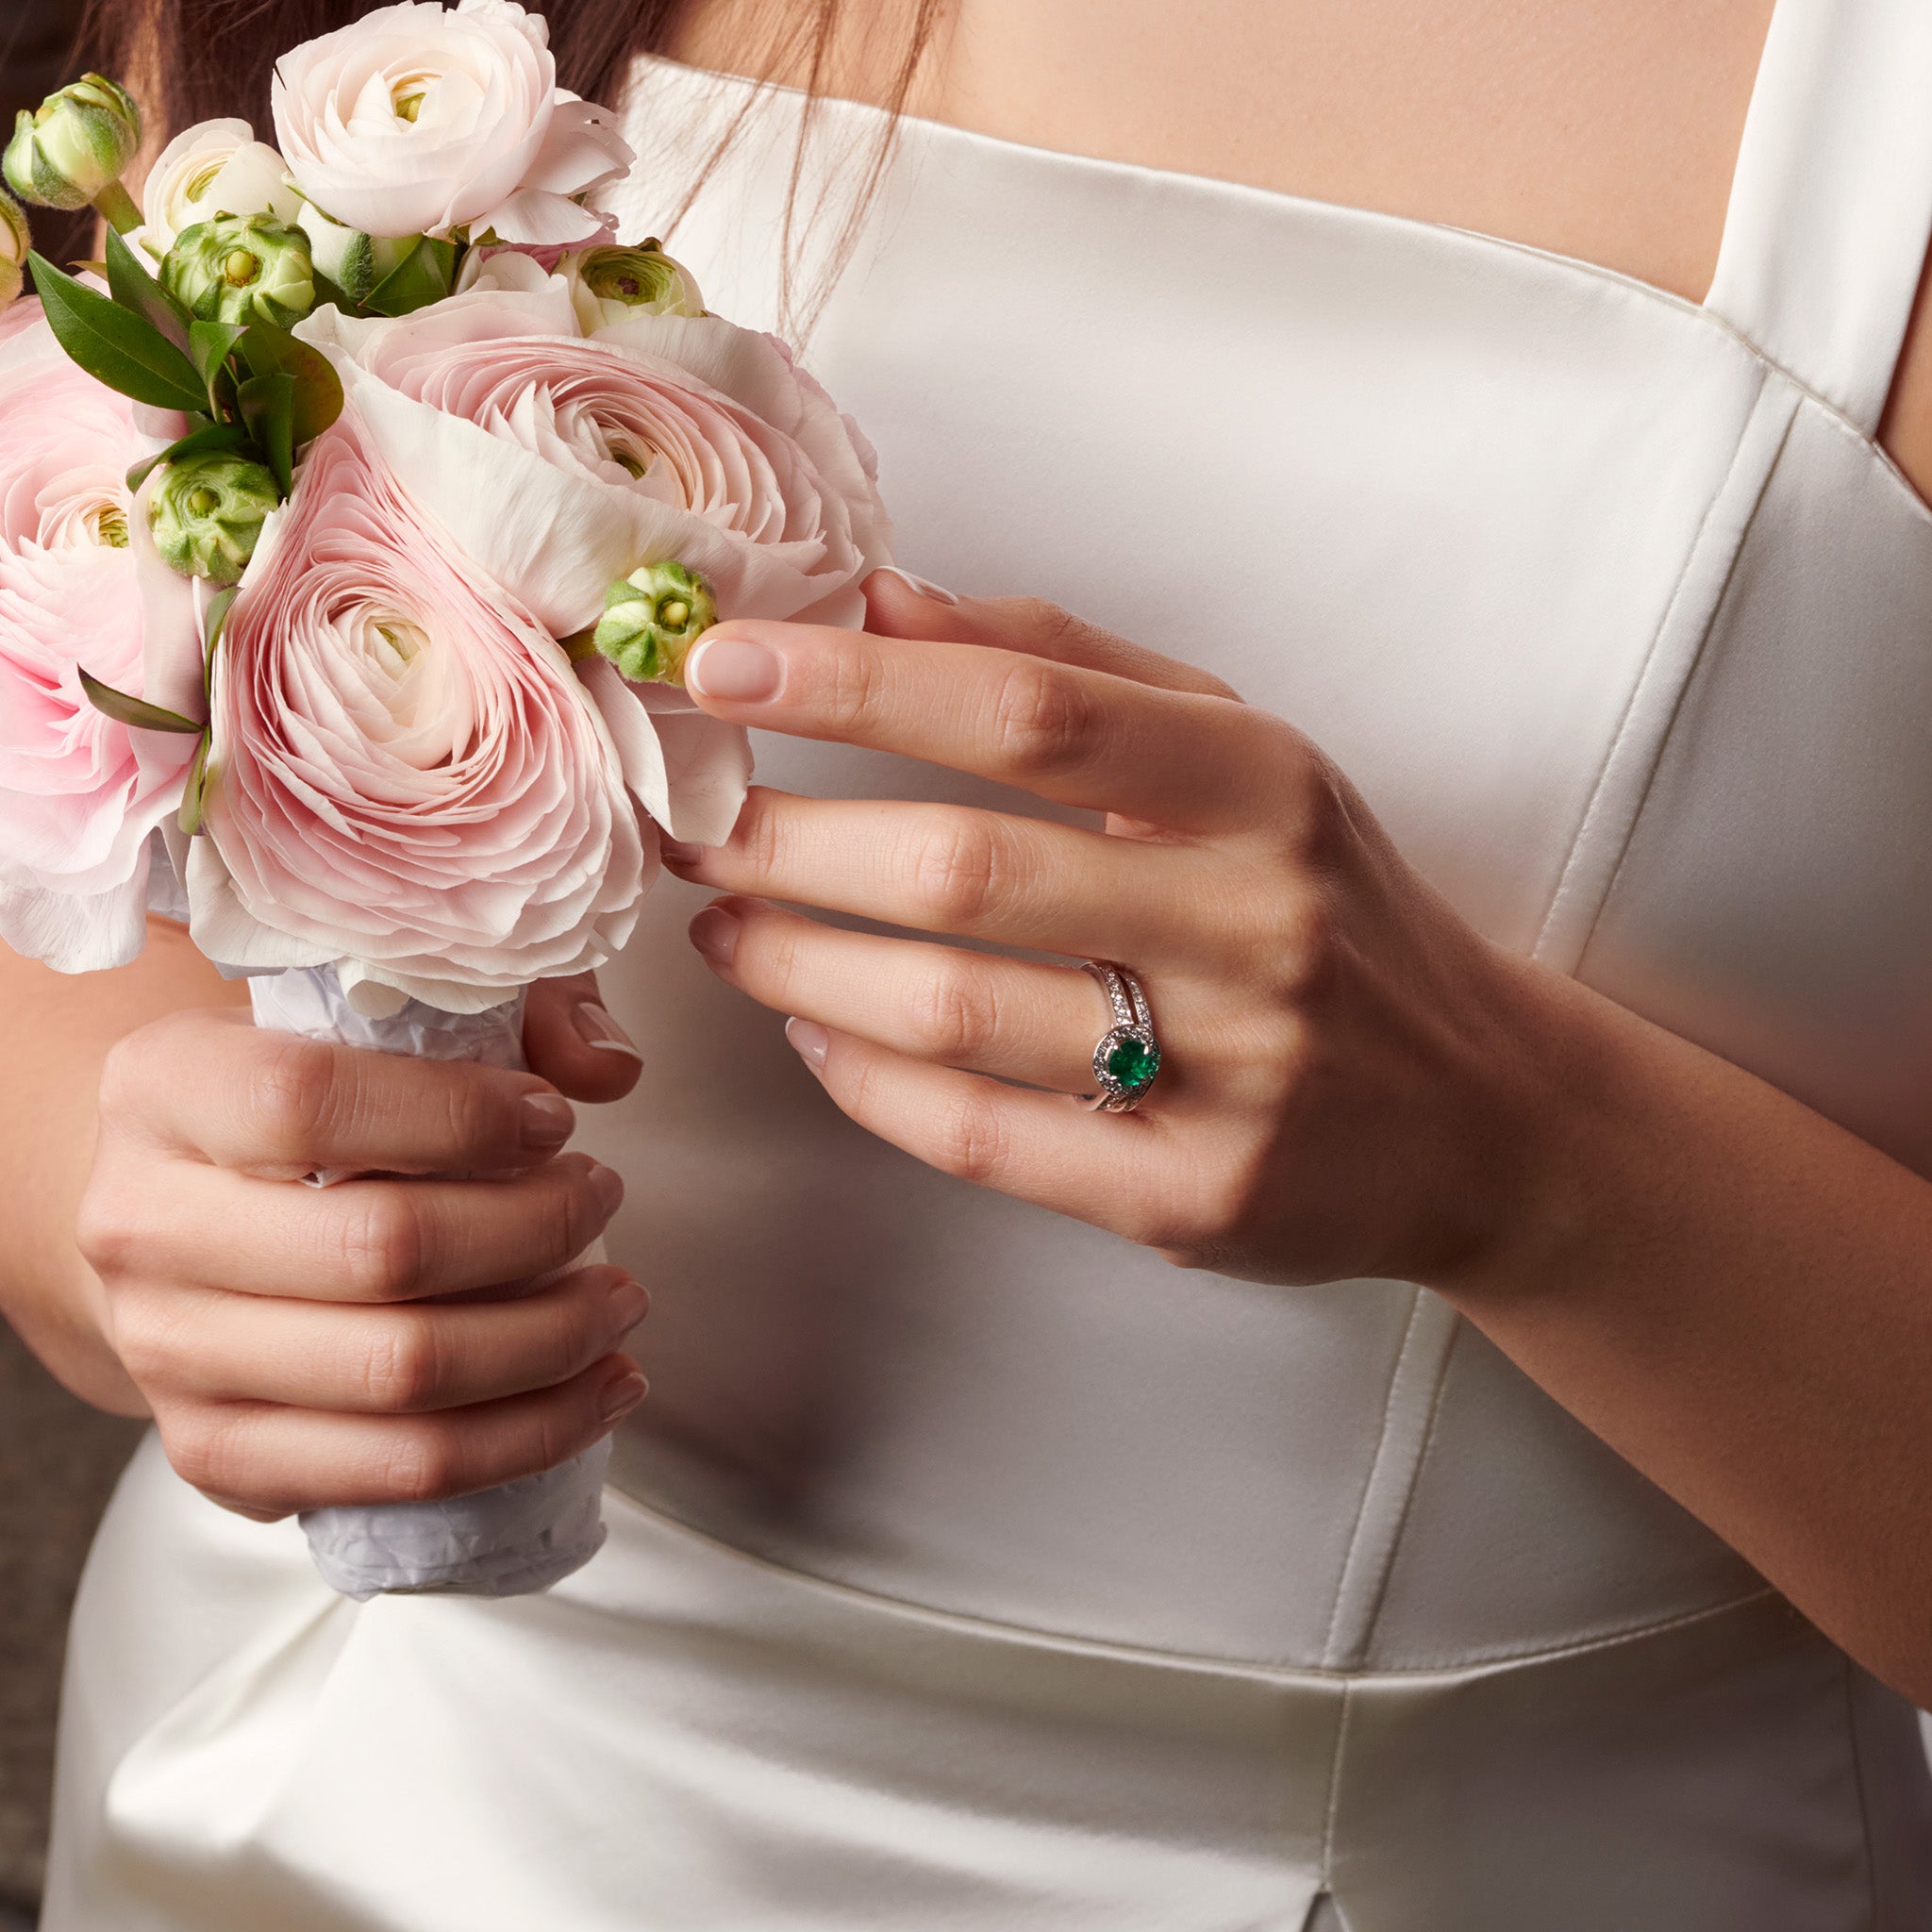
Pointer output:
x,y
595,1028
622,1396
917,586
714,933
676,854
606,1187
546,1120
735,670
630,1302
809,1040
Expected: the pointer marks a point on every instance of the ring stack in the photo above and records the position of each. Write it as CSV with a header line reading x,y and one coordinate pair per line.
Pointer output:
x,y
1128,1055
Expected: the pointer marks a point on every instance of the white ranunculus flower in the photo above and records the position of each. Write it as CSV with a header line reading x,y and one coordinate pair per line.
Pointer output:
x,y
213,168
416,119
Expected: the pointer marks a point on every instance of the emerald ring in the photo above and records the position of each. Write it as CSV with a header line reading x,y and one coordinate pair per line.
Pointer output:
x,y
1128,1055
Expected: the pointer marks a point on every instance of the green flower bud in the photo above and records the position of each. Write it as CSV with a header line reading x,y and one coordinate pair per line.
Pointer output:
x,y
206,513
651,619
14,243
71,150
612,283
242,269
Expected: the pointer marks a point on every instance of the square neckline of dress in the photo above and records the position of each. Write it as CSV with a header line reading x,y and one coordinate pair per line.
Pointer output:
x,y
1826,222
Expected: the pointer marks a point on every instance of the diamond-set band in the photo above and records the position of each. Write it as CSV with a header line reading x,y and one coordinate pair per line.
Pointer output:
x,y
1128,1055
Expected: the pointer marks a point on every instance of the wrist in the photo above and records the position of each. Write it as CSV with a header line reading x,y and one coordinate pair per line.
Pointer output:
x,y
1567,1113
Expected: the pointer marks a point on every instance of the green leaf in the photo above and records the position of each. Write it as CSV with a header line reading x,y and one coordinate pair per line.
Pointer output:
x,y
135,289
198,441
423,275
268,350
195,794
114,346
268,406
208,344
136,711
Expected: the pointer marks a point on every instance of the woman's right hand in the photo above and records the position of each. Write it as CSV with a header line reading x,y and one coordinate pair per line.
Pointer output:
x,y
293,1342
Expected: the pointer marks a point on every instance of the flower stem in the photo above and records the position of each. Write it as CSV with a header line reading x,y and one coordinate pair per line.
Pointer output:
x,y
119,207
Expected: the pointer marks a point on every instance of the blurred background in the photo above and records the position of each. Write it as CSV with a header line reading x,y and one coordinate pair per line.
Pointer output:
x,y
58,1458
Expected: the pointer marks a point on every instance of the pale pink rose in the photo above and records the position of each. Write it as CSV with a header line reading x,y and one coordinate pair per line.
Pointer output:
x,y
561,463
79,793
406,776
416,119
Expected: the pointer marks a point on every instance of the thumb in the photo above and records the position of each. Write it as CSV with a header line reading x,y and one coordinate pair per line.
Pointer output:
x,y
571,1041
901,606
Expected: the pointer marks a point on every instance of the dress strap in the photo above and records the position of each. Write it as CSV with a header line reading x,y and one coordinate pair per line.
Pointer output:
x,y
1831,205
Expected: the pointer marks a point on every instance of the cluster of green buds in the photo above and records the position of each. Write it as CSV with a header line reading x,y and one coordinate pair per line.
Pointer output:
x,y
651,619
240,268
14,243
206,512
70,151
612,283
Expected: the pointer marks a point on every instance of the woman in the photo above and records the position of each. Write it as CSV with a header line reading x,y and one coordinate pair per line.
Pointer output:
x,y
1518,419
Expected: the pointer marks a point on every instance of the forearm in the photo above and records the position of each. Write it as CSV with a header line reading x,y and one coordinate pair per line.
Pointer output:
x,y
1736,1295
56,1032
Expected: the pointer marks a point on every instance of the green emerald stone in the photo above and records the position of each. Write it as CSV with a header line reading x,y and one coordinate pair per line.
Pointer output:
x,y
1134,1064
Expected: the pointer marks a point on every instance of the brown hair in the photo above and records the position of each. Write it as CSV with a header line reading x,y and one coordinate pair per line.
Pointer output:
x,y
191,61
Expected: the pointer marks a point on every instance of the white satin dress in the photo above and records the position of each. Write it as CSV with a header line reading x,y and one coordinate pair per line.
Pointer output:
x,y
973,1570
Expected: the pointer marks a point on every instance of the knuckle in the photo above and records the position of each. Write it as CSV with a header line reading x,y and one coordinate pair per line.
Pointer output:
x,y
1042,721
423,1462
146,1336
972,1140
959,873
853,686
209,1450
956,1013
108,1232
569,1218
382,1245
294,1096
404,1367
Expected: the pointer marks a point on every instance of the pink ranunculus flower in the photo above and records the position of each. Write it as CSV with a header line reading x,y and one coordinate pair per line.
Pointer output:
x,y
79,793
406,778
416,119
561,463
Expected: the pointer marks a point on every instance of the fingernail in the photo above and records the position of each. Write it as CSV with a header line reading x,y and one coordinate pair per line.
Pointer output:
x,y
630,1302
606,1189
809,1040
735,670
595,1028
622,1396
547,1120
677,854
714,933
917,586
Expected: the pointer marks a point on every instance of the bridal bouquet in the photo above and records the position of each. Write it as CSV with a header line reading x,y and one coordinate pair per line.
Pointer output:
x,y
357,511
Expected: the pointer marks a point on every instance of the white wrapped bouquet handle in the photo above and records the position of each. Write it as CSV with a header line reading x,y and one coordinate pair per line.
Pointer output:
x,y
520,1537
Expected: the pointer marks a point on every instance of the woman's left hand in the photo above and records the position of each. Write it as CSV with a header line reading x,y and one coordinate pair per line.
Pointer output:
x,y
1353,1082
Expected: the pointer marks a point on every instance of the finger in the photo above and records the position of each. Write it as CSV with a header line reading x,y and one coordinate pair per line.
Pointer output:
x,y
1117,1171
571,1041
1008,1017
402,1360
901,607
1183,759
977,875
270,1460
367,1240
211,1084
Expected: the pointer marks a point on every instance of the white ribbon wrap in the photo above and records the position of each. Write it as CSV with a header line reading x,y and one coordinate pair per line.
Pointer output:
x,y
511,1541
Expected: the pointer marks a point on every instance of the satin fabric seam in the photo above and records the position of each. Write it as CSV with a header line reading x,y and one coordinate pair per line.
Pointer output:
x,y
991,1630
1613,759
